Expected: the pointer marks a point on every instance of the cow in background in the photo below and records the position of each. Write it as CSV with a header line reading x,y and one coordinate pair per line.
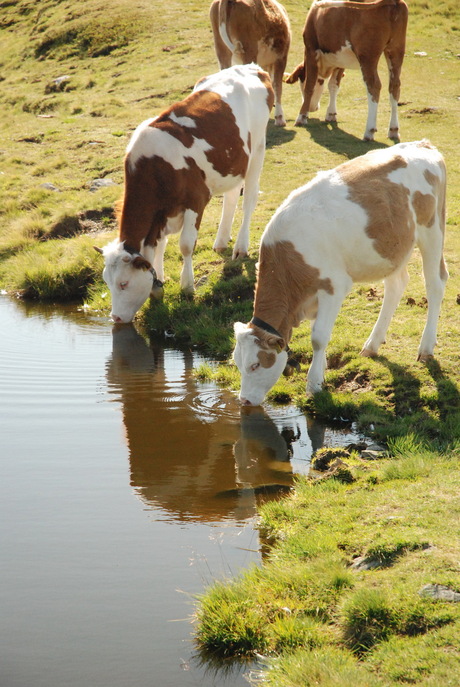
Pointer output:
x,y
356,223
204,145
253,31
352,35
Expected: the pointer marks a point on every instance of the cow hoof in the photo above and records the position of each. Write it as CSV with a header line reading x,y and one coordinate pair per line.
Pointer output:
x,y
393,135
219,249
425,357
301,120
332,117
238,254
368,353
280,121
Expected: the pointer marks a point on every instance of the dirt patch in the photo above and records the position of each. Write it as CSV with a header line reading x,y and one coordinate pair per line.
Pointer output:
x,y
89,222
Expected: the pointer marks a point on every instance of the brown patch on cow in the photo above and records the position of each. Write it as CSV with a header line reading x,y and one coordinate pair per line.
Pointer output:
x,y
390,222
265,78
284,282
266,358
214,122
425,208
148,201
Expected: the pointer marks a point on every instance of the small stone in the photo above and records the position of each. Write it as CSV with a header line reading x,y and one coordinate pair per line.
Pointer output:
x,y
440,592
96,184
50,187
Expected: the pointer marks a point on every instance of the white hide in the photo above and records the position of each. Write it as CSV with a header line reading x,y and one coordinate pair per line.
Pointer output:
x,y
329,231
129,286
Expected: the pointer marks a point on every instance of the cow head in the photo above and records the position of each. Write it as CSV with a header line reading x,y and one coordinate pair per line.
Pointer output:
x,y
260,360
130,278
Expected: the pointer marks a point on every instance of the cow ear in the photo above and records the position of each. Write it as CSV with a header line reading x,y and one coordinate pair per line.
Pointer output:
x,y
141,263
276,342
99,250
239,328
298,73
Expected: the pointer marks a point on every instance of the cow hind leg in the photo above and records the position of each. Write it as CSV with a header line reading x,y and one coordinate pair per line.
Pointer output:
x,y
250,197
436,275
394,63
224,232
333,87
395,284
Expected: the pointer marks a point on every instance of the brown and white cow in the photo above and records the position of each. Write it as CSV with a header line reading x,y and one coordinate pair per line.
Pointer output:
x,y
342,35
358,222
253,31
207,144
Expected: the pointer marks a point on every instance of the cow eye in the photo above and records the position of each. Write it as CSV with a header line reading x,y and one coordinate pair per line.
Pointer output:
x,y
254,367
123,285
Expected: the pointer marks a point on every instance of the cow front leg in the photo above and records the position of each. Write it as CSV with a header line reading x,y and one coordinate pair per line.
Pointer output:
x,y
394,286
328,309
277,79
373,85
224,232
309,85
187,244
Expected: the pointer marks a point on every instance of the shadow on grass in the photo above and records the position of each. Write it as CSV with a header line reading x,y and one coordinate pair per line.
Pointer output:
x,y
329,135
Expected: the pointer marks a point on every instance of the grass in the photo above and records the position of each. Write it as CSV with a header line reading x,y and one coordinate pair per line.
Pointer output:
x,y
309,611
75,82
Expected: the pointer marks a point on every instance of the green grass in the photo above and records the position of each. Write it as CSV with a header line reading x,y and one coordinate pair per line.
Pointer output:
x,y
320,621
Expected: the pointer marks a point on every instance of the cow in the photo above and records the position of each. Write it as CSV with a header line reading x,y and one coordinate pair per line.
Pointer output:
x,y
358,222
253,31
352,35
207,144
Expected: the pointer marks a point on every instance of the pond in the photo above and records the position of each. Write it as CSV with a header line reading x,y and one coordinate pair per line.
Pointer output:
x,y
126,487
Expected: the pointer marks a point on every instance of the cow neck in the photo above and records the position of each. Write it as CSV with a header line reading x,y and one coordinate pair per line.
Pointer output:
x,y
274,302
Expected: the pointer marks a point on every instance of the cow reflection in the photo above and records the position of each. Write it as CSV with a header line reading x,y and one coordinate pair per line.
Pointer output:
x,y
186,459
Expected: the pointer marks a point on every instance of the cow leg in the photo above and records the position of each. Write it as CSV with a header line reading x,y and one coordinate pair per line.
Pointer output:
x,y
224,232
311,72
333,87
328,309
187,243
394,63
155,257
373,85
435,274
395,284
277,79
250,196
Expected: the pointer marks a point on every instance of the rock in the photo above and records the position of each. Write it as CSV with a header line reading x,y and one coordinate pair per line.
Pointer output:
x,y
363,563
59,84
440,592
96,184
50,187
373,452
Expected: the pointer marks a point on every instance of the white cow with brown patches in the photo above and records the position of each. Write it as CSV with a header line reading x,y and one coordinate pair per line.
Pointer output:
x,y
253,31
207,144
352,35
358,222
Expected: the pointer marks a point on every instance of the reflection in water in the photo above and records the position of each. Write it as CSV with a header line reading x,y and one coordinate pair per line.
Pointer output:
x,y
88,583
193,451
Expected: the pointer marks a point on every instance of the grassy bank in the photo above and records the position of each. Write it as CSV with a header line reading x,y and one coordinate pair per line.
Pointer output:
x,y
75,80
343,598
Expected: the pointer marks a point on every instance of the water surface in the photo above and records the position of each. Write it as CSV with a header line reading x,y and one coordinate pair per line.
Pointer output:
x,y
126,487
